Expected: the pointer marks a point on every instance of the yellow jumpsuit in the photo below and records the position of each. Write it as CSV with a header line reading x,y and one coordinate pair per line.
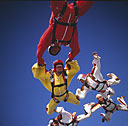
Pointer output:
x,y
43,75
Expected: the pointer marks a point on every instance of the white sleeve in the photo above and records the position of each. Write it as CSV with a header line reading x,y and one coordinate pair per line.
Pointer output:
x,y
95,107
83,116
113,81
59,109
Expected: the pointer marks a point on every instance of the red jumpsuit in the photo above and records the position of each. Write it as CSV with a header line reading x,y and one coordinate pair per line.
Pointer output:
x,y
63,32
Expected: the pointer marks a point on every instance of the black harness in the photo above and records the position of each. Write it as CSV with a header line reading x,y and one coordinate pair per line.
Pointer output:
x,y
60,85
56,21
67,124
97,81
105,107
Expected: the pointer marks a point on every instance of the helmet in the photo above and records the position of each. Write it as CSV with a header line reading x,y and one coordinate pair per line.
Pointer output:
x,y
98,95
94,53
81,76
53,121
56,62
54,49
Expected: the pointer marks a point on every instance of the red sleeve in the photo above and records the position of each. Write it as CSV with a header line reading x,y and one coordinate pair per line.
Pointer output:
x,y
83,7
57,6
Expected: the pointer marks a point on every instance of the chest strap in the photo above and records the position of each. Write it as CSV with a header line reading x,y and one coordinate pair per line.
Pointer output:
x,y
105,107
67,124
60,85
98,82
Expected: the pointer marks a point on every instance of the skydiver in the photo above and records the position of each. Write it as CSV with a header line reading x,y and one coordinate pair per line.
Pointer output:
x,y
109,106
62,28
94,80
57,81
66,118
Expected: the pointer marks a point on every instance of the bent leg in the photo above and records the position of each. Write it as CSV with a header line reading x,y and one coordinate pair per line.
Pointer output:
x,y
51,107
122,101
83,116
109,92
81,93
108,116
73,99
122,107
96,69
114,79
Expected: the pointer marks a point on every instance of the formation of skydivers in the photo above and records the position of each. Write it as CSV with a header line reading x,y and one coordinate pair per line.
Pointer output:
x,y
62,30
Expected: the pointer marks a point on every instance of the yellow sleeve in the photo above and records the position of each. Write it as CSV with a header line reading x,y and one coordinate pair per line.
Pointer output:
x,y
40,72
72,68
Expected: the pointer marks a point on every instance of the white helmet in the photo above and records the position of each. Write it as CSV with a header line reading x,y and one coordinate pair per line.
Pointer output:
x,y
51,121
98,95
81,76
59,109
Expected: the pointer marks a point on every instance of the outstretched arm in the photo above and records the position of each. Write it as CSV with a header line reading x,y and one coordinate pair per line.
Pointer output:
x,y
40,72
59,110
87,109
83,116
95,107
83,7
72,67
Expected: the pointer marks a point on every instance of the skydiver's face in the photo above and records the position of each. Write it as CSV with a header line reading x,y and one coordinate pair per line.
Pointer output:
x,y
59,69
100,99
55,50
82,81
54,124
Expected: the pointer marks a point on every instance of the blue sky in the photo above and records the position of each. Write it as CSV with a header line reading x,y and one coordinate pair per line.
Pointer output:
x,y
104,29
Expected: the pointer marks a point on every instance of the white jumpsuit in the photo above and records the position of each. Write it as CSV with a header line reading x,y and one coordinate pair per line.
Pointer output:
x,y
109,106
67,117
95,81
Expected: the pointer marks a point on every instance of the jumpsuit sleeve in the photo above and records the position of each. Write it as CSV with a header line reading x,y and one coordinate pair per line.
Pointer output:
x,y
72,68
59,109
57,6
82,117
83,7
95,107
42,74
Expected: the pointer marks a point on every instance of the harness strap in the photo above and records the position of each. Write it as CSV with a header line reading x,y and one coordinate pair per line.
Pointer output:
x,y
56,100
60,85
56,21
63,10
97,81
65,77
76,9
52,82
86,85
67,124
108,106
111,110
64,23
60,95
66,98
